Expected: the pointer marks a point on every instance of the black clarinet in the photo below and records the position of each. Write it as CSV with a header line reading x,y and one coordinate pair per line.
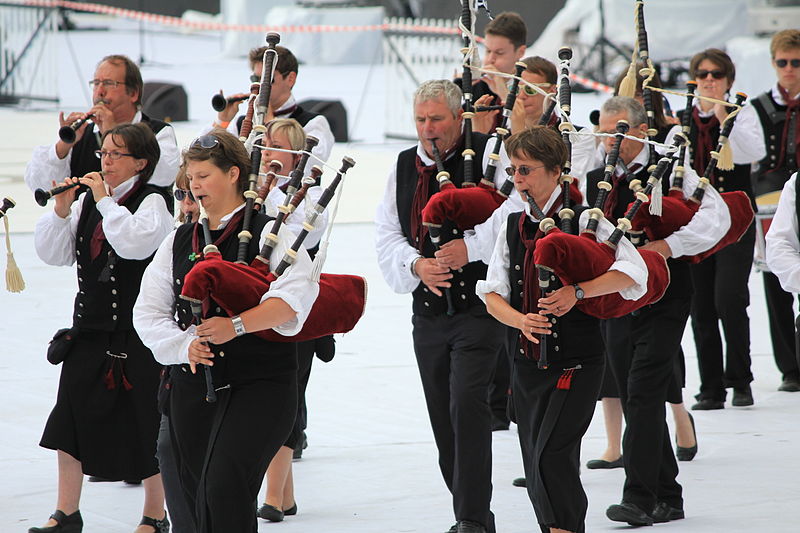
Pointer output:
x,y
596,213
566,214
466,88
434,231
686,124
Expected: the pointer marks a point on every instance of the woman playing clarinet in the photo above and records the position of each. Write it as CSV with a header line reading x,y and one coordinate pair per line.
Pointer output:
x,y
222,450
554,405
105,420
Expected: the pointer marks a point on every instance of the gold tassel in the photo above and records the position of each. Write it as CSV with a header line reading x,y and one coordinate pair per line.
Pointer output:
x,y
14,281
725,161
628,85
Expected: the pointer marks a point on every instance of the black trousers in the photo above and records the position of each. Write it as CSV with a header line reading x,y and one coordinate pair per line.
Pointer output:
x,y
223,448
721,295
456,357
781,326
181,517
643,381
498,388
551,424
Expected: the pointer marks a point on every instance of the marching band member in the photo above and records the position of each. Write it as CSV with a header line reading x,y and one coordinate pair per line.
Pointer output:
x,y
552,418
222,454
642,348
105,421
783,245
116,99
455,354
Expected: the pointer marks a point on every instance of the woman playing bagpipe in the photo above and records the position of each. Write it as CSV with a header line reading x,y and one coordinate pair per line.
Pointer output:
x,y
222,451
105,420
553,405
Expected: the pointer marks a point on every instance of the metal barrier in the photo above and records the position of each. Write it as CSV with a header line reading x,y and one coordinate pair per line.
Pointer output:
x,y
409,58
28,52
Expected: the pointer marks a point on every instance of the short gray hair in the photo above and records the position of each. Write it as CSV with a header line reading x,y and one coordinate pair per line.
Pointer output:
x,y
634,111
444,89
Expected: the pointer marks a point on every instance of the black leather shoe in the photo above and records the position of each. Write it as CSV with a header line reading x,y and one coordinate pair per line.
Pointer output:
x,y
707,404
66,524
630,513
291,511
663,512
742,397
597,464
519,482
790,385
271,513
159,526
468,526
686,454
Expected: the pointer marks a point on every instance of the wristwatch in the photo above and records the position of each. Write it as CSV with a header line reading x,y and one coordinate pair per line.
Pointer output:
x,y
579,294
238,325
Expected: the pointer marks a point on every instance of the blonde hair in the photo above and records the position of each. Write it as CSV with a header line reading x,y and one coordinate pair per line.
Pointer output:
x,y
293,130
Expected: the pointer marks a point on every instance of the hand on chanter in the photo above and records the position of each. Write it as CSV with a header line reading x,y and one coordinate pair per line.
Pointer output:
x,y
533,324
558,302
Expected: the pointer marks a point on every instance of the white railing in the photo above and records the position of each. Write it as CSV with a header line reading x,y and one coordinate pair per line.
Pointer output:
x,y
28,54
409,58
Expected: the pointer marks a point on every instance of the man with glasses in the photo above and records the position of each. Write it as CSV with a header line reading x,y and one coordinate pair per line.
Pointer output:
x,y
116,99
778,111
282,103
455,354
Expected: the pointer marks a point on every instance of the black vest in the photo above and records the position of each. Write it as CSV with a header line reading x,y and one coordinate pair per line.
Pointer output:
x,y
464,279
767,177
575,336
244,358
680,280
109,285
83,159
736,179
299,114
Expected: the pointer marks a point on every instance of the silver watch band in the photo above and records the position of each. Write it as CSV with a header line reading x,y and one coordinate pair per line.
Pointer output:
x,y
238,325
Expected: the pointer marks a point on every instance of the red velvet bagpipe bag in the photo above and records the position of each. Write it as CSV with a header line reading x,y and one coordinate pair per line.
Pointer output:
x,y
579,258
465,207
236,288
677,212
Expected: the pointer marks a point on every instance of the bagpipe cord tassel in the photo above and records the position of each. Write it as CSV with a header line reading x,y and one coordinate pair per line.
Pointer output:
x,y
628,85
14,281
725,161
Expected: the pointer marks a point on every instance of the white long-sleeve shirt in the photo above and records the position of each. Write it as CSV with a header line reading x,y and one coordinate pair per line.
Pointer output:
x,y
628,260
395,255
783,245
153,314
295,221
746,140
131,235
45,166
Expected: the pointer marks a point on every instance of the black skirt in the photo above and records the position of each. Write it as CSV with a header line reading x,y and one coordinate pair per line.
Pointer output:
x,y
105,414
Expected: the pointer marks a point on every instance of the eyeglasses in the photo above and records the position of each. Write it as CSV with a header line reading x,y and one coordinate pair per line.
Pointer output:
x,y
781,63
523,170
206,141
181,194
113,155
255,78
703,74
530,91
108,84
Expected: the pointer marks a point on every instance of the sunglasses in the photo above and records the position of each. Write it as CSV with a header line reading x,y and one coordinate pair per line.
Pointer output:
x,y
206,141
523,170
781,63
703,74
180,195
530,91
255,78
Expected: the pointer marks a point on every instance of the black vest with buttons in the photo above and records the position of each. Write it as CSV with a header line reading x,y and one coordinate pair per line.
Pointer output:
x,y
243,358
574,335
736,179
464,279
767,177
680,284
109,285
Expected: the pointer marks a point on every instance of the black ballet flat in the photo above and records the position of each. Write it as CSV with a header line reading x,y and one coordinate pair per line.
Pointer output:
x,y
519,482
271,513
66,524
291,511
686,454
160,526
602,464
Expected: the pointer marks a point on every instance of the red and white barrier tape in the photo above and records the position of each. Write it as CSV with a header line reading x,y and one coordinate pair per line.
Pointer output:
x,y
591,84
219,26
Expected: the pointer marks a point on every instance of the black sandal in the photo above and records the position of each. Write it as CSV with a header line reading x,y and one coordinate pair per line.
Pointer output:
x,y
159,526
66,524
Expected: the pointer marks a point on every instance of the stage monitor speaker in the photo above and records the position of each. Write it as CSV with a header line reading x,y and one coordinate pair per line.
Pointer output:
x,y
165,101
334,111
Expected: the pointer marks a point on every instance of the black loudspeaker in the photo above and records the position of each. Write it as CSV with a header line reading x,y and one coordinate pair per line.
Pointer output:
x,y
334,111
165,101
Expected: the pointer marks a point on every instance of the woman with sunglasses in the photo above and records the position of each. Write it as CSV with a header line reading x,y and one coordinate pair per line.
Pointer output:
x,y
222,449
720,286
105,420
554,405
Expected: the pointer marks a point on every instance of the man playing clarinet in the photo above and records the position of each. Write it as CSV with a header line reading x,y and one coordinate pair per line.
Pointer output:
x,y
643,347
456,348
116,99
